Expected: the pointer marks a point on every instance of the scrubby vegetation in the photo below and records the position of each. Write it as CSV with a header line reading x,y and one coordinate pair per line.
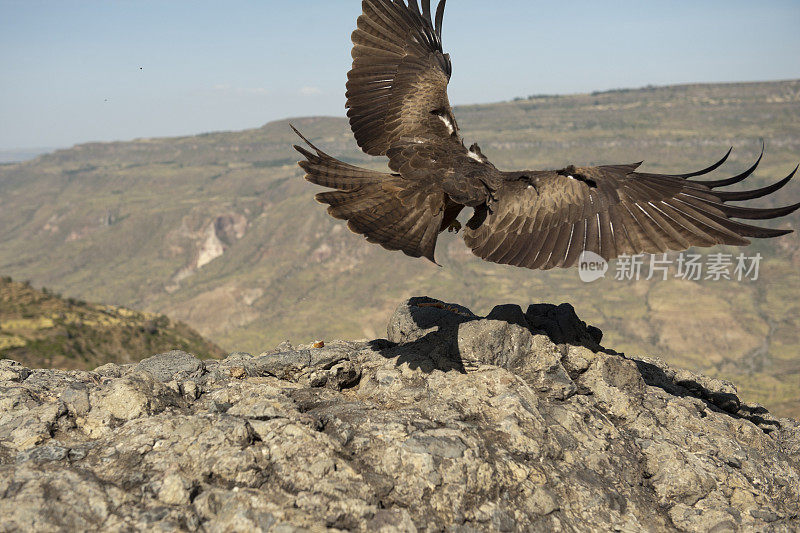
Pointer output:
x,y
40,328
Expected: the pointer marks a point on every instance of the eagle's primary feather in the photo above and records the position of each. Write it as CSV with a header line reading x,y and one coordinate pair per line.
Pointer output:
x,y
398,107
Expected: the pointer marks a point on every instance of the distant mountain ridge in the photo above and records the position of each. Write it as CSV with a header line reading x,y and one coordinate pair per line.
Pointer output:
x,y
220,231
22,154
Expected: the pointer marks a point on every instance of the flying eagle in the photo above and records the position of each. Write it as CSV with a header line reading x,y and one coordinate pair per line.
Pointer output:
x,y
398,107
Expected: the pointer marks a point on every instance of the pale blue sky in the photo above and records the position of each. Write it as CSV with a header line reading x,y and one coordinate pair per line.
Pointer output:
x,y
76,71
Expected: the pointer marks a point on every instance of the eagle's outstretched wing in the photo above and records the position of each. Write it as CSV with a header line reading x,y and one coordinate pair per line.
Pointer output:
x,y
397,87
398,106
397,100
546,219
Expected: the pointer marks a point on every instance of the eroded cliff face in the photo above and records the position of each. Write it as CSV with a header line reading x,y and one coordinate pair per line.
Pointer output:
x,y
515,421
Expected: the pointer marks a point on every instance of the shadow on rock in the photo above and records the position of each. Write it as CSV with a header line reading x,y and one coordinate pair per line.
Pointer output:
x,y
433,335
429,334
717,394
548,345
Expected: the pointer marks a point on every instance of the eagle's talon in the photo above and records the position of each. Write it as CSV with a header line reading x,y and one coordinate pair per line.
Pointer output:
x,y
490,202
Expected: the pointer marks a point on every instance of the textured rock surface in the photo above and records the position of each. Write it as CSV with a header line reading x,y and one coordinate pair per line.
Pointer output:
x,y
516,421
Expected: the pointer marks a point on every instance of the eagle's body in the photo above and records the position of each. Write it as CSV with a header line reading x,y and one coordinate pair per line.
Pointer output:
x,y
398,107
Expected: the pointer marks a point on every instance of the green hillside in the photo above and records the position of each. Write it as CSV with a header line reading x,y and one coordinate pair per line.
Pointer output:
x,y
220,231
40,329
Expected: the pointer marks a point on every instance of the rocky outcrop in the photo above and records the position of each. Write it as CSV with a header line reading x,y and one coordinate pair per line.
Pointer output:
x,y
516,421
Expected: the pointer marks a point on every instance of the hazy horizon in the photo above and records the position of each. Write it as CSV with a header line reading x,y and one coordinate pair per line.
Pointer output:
x,y
80,71
31,152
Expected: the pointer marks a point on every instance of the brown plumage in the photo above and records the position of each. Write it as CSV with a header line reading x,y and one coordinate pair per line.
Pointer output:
x,y
398,107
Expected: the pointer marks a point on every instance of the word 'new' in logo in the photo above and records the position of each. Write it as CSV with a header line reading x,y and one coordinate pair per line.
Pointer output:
x,y
591,267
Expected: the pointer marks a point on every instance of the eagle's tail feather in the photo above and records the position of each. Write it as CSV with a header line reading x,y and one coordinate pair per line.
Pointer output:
x,y
328,171
396,213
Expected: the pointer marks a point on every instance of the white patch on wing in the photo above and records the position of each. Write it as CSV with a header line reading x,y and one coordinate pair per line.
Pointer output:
x,y
450,128
474,156
570,177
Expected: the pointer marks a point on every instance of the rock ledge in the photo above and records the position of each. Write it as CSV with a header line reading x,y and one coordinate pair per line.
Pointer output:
x,y
514,421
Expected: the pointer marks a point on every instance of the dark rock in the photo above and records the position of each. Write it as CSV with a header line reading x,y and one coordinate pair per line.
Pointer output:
x,y
562,325
511,313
